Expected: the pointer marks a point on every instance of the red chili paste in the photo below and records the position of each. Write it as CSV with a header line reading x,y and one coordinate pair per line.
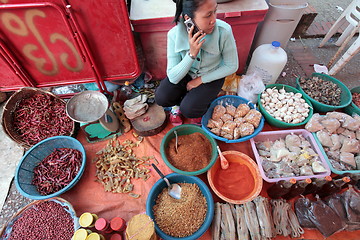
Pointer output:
x,y
236,182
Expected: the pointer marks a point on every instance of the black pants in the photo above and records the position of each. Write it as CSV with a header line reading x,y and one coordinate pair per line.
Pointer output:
x,y
193,103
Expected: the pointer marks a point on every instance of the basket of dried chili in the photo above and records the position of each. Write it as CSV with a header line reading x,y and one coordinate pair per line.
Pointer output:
x,y
32,114
50,167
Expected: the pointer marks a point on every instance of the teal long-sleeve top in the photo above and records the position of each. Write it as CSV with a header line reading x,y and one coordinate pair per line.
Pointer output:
x,y
216,59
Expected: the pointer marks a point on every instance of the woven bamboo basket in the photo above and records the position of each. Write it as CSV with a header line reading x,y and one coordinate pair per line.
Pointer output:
x,y
10,107
7,228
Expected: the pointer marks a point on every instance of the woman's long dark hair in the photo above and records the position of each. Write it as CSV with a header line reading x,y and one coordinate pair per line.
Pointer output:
x,y
186,7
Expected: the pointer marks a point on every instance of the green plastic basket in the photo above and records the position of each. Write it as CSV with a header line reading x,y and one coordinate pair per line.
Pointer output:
x,y
345,98
186,129
275,122
339,172
352,108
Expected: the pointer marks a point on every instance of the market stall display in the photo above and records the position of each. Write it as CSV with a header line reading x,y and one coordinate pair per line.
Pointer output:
x,y
188,149
326,93
180,213
232,119
338,137
53,218
50,168
240,182
115,156
32,115
260,218
118,168
288,154
284,106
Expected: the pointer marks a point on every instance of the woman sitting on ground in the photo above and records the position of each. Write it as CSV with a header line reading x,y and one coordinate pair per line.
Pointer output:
x,y
199,57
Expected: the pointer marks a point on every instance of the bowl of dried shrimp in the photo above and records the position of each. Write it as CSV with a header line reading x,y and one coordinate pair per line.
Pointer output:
x,y
232,119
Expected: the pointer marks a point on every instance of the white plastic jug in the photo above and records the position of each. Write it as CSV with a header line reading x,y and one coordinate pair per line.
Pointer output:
x,y
268,60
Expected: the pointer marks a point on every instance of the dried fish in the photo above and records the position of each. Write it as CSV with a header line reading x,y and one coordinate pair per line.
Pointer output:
x,y
242,229
216,222
227,222
116,164
265,221
252,220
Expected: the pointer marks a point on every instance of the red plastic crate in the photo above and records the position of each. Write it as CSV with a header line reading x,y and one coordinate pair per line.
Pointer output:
x,y
60,42
152,19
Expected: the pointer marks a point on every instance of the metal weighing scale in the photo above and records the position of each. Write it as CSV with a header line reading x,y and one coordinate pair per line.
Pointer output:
x,y
91,110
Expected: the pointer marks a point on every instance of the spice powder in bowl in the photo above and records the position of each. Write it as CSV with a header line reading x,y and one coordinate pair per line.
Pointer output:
x,y
192,154
239,186
181,217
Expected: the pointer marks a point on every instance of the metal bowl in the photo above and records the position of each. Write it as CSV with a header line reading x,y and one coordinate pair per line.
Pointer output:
x,y
87,106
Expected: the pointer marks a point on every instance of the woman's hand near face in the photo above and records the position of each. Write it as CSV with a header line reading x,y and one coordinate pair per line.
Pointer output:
x,y
195,41
193,83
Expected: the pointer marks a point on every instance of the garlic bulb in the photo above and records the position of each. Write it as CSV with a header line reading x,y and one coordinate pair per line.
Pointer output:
x,y
285,106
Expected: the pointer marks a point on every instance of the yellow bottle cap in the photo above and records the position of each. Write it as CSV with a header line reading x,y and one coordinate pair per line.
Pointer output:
x,y
95,236
81,234
87,219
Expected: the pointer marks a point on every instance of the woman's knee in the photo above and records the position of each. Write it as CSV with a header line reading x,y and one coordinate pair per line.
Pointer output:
x,y
192,110
161,100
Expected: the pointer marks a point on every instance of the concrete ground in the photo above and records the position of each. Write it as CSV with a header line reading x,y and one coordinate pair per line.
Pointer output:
x,y
302,54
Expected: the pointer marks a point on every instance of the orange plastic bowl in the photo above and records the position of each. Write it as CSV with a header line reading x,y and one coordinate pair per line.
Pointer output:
x,y
240,183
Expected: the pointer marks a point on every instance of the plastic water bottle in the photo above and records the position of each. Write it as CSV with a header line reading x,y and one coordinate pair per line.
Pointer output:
x,y
268,60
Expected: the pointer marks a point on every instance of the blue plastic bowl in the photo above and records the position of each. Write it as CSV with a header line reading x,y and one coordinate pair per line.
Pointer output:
x,y
235,101
178,178
24,171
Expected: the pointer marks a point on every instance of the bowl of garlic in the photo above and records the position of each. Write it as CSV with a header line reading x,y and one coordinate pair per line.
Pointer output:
x,y
284,106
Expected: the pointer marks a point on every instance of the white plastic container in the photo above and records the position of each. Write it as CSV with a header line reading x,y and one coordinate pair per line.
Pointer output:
x,y
268,60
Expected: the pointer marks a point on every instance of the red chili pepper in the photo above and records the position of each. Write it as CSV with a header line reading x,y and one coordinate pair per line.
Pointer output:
x,y
41,116
57,170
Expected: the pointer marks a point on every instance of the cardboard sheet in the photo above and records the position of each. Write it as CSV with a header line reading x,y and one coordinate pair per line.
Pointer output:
x,y
89,196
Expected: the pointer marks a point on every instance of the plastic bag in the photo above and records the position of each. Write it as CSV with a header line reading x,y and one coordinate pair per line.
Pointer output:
x,y
336,204
250,87
325,219
69,89
231,83
351,201
301,209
